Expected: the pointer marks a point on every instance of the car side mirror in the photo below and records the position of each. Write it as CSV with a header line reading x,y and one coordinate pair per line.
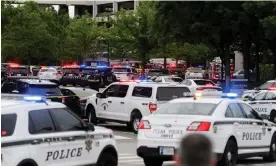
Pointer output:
x,y
90,127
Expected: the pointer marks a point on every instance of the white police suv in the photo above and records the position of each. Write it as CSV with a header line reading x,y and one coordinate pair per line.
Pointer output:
x,y
47,133
127,102
265,104
235,128
269,85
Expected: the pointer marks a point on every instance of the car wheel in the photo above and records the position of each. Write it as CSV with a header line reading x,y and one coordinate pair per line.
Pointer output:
x,y
273,116
91,115
107,159
272,152
134,122
152,162
230,155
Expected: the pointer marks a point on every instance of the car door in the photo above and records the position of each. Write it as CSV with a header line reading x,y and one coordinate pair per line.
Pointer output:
x,y
242,127
119,103
47,145
260,104
79,145
104,104
258,131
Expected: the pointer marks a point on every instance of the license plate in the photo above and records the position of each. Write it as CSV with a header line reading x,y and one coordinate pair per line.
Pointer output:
x,y
166,150
18,74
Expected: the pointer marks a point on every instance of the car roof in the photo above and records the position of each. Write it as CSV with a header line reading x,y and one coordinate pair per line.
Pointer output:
x,y
19,105
151,84
203,100
37,82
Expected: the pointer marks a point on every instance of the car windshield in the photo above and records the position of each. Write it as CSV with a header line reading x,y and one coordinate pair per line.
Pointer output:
x,y
123,70
204,82
268,85
44,90
188,108
169,93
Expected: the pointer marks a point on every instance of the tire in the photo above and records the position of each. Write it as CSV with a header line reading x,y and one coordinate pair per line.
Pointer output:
x,y
272,152
91,115
134,121
107,159
152,162
230,155
272,116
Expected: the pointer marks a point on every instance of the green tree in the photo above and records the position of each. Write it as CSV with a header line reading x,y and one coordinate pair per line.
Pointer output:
x,y
83,37
25,34
135,30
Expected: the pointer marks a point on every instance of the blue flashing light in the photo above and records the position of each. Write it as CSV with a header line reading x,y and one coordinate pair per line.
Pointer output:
x,y
144,81
83,65
33,98
232,95
102,66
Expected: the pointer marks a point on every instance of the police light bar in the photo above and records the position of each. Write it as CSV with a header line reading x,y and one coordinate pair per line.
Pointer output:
x,y
38,99
14,65
102,66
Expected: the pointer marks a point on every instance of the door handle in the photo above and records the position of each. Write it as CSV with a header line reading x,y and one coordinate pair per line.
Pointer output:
x,y
35,142
122,102
109,101
70,139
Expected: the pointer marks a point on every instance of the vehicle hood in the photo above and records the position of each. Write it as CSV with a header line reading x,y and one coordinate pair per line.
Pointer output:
x,y
101,129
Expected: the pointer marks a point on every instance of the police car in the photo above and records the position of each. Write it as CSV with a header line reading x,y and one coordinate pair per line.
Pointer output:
x,y
128,101
194,73
125,72
47,133
269,85
49,73
14,69
265,104
234,127
201,85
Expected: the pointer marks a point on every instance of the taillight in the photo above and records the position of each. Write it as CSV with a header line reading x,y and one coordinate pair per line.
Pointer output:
x,y
199,89
152,107
199,126
144,124
82,102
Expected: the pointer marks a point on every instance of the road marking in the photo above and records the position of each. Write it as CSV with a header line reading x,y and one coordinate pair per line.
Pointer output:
x,y
118,137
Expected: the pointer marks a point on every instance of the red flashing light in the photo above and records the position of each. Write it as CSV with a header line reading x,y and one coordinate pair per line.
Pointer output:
x,y
117,66
3,132
272,88
199,126
14,65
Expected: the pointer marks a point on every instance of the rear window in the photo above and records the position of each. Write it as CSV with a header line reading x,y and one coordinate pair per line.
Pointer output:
x,y
267,85
18,69
169,93
188,108
204,82
48,70
71,70
121,70
44,90
145,92
196,70
8,122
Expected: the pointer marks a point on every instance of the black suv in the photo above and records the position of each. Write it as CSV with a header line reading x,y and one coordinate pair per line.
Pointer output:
x,y
107,76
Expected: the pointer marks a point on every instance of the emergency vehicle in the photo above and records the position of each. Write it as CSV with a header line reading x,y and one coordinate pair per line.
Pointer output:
x,y
75,75
34,70
215,68
201,85
265,104
49,73
234,127
128,101
125,72
194,73
268,85
37,132
14,69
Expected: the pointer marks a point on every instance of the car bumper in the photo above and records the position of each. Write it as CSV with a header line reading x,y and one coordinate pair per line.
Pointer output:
x,y
149,152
